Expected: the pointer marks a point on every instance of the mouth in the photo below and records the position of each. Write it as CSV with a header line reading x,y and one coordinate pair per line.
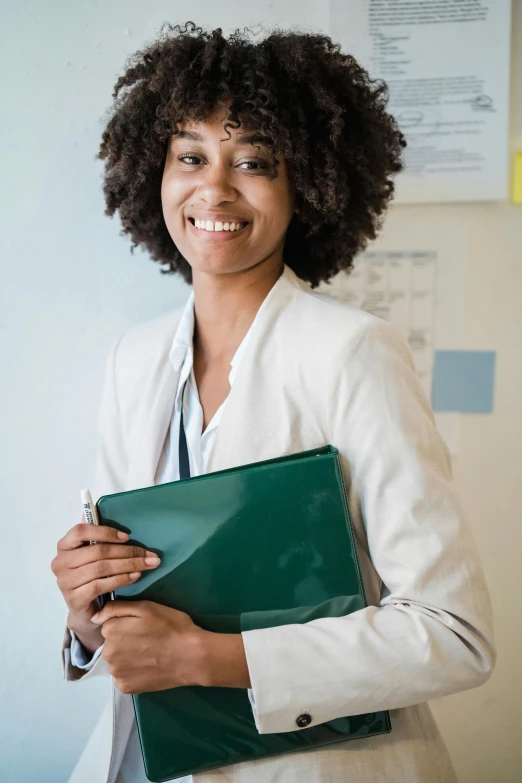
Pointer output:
x,y
232,227
217,231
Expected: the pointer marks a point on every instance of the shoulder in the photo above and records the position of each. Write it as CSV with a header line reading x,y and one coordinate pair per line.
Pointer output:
x,y
146,343
362,365
338,330
154,331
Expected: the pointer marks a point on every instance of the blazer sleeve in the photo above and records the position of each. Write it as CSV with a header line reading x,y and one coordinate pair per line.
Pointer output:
x,y
431,633
109,476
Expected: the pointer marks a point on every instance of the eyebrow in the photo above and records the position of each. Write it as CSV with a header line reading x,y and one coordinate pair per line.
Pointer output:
x,y
244,138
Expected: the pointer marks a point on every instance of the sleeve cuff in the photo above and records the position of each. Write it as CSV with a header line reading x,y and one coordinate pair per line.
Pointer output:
x,y
79,655
275,710
296,691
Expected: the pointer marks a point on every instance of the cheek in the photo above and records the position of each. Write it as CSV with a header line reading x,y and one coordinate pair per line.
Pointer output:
x,y
280,207
174,190
165,201
172,199
168,194
282,197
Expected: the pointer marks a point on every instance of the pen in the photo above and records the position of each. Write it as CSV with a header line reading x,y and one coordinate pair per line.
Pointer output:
x,y
91,517
89,509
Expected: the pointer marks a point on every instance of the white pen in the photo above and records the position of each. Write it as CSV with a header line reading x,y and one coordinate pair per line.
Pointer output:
x,y
91,517
89,509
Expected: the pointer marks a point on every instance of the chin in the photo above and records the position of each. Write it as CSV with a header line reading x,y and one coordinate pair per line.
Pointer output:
x,y
216,266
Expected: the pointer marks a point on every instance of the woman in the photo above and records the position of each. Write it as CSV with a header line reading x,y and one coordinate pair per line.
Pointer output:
x,y
256,171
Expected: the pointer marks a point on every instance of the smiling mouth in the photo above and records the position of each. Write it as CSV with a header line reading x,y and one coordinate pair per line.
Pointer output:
x,y
233,227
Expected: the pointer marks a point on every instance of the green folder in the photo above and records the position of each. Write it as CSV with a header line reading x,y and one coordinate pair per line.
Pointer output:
x,y
256,546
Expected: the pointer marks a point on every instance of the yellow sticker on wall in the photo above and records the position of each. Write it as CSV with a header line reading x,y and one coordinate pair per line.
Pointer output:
x,y
516,190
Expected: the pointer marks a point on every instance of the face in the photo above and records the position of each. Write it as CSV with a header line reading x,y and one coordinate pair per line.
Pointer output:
x,y
219,181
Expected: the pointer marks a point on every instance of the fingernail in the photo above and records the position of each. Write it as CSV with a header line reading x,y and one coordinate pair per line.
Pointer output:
x,y
122,535
134,575
152,561
150,554
94,618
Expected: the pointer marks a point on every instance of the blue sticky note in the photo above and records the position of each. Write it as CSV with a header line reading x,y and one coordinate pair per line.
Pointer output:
x,y
463,381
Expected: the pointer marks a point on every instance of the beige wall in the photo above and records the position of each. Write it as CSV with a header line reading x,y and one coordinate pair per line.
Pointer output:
x,y
483,727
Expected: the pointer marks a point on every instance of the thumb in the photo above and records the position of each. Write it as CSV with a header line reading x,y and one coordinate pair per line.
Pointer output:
x,y
116,609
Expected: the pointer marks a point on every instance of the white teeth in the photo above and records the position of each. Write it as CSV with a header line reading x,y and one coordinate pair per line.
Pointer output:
x,y
208,225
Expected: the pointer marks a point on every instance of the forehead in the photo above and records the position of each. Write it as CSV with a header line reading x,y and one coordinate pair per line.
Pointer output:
x,y
214,126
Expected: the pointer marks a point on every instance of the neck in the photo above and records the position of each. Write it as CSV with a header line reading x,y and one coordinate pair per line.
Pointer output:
x,y
225,306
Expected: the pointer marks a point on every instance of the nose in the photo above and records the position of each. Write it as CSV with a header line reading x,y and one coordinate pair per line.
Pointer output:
x,y
216,185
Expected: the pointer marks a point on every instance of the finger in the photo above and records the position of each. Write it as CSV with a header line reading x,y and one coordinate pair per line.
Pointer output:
x,y
84,555
72,578
86,594
116,609
82,533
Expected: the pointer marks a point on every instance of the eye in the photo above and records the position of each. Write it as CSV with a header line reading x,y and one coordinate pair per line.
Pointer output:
x,y
257,164
185,156
261,163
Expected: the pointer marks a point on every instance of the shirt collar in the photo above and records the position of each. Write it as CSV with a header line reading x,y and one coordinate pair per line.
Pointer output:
x,y
183,337
182,344
234,364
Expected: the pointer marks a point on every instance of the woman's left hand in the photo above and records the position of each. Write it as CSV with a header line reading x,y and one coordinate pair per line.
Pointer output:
x,y
150,647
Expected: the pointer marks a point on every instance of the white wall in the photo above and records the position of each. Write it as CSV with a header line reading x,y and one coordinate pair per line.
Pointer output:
x,y
69,285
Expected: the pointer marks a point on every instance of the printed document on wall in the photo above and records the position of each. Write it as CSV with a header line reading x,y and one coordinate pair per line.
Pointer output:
x,y
446,64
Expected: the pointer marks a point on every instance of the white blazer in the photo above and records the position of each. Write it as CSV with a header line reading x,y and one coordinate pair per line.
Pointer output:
x,y
320,372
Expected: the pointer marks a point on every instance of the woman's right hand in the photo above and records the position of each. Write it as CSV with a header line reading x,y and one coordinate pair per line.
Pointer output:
x,y
85,571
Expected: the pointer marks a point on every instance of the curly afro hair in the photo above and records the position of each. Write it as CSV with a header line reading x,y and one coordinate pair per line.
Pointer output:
x,y
311,103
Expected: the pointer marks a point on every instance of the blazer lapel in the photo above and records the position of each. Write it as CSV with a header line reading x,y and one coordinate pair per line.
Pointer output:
x,y
255,424
153,419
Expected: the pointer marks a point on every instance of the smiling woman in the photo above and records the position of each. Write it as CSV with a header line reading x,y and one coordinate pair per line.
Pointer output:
x,y
256,171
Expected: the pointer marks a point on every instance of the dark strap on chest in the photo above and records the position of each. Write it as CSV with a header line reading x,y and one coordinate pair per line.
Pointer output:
x,y
184,464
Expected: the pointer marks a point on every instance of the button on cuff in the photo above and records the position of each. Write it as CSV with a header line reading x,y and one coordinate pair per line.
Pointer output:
x,y
303,720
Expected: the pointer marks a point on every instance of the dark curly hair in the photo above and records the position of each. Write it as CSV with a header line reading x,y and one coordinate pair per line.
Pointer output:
x,y
310,102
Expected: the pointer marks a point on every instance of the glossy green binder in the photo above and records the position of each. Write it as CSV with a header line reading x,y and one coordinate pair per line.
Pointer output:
x,y
259,545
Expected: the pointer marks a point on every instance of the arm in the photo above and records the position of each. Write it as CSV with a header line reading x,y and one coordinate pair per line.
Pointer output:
x,y
111,460
110,472
431,634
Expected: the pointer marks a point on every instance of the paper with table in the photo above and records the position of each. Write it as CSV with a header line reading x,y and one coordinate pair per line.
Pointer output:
x,y
414,275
